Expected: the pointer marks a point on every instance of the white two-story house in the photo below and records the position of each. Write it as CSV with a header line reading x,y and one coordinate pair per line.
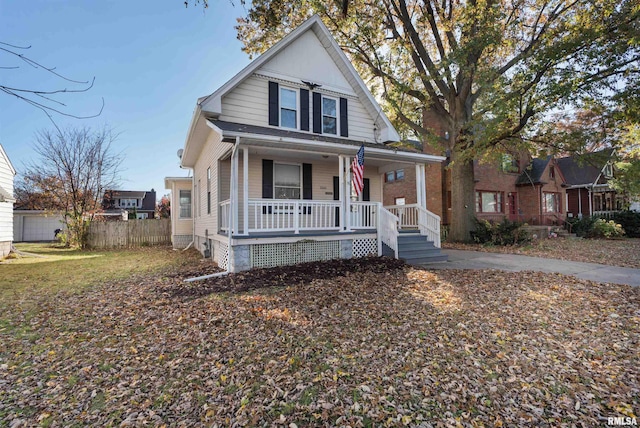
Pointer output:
x,y
270,154
7,174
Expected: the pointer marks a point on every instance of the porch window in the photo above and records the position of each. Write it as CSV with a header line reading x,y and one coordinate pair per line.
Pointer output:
x,y
288,108
489,202
329,116
185,204
287,181
551,202
390,177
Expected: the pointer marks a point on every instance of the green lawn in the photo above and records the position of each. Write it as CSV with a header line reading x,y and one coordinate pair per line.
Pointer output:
x,y
54,268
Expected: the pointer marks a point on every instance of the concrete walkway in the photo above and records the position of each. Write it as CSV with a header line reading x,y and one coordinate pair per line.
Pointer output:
x,y
460,259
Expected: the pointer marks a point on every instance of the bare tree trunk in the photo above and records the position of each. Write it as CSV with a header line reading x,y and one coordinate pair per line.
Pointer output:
x,y
462,198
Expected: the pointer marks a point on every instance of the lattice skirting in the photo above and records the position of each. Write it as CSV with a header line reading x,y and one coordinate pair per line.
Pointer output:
x,y
365,247
269,255
222,256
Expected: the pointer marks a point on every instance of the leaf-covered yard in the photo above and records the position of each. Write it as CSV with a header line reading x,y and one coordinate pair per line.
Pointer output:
x,y
613,252
363,344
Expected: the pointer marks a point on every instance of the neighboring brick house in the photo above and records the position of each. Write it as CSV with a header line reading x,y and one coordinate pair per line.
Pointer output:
x,y
517,186
142,203
588,191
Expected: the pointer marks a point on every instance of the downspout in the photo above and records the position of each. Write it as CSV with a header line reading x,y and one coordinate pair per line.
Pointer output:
x,y
234,153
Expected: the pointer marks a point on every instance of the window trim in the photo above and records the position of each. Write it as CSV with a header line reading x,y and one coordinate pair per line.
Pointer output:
x,y
280,107
180,204
337,116
299,165
499,201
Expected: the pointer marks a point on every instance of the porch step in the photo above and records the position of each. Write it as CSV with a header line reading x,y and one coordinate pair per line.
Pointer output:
x,y
415,249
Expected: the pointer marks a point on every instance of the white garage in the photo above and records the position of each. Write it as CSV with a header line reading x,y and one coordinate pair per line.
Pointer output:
x,y
33,225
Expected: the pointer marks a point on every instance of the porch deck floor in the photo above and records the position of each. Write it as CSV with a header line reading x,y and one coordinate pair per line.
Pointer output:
x,y
309,233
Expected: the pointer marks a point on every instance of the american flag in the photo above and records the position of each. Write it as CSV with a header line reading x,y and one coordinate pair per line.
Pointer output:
x,y
357,167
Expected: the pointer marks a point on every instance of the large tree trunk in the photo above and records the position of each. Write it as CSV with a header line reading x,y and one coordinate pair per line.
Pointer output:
x,y
462,198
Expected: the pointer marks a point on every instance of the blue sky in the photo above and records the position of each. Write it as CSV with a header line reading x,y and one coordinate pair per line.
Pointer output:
x,y
151,61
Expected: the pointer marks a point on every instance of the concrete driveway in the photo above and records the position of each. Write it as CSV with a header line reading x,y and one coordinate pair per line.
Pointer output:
x,y
461,259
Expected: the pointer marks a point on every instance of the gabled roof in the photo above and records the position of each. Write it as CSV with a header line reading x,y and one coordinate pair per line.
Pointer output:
x,y
3,154
532,174
212,104
584,169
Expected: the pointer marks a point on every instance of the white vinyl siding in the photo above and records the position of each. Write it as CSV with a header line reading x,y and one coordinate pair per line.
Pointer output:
x,y
213,149
6,208
248,103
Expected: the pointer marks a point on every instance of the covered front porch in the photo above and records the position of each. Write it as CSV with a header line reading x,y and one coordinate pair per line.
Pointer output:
x,y
335,209
283,200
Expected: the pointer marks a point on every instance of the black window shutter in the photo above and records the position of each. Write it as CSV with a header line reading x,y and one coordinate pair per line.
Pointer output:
x,y
274,116
307,185
336,196
304,109
267,179
344,121
366,191
317,113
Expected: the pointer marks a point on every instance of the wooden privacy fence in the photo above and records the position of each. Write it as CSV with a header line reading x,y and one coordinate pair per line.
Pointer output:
x,y
131,233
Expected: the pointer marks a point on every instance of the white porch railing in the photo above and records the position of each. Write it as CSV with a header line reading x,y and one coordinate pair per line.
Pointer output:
x,y
429,225
225,214
387,230
414,216
279,215
364,215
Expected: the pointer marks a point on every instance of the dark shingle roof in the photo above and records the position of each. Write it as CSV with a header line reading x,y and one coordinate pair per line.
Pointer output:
x,y
283,133
584,169
532,174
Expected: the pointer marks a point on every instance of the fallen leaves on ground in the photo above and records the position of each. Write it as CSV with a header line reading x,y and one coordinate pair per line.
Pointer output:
x,y
388,345
612,252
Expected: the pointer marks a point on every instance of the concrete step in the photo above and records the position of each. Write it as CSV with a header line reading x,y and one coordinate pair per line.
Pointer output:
x,y
428,259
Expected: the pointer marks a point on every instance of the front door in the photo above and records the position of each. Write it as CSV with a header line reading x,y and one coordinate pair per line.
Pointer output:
x,y
512,200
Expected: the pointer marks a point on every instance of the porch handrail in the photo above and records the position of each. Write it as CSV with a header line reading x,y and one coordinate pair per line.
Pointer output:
x,y
225,214
279,215
387,230
429,225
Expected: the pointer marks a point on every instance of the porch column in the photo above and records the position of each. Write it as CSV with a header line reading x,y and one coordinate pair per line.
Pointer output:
x,y
579,202
590,202
233,224
245,191
421,188
347,190
341,217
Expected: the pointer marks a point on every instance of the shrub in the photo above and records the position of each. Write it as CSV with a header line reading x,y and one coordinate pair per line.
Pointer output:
x,y
630,222
582,227
503,233
606,229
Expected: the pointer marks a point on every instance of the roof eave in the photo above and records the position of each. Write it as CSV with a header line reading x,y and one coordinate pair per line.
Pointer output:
x,y
327,147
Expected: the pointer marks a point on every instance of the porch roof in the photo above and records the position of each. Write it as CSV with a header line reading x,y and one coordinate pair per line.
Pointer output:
x,y
280,138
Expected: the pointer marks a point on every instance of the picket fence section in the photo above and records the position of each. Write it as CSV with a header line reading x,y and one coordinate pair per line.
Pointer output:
x,y
131,233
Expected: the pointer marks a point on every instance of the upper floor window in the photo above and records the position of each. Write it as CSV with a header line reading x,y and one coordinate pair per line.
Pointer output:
x,y
608,170
185,204
552,172
288,108
509,163
489,202
329,116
